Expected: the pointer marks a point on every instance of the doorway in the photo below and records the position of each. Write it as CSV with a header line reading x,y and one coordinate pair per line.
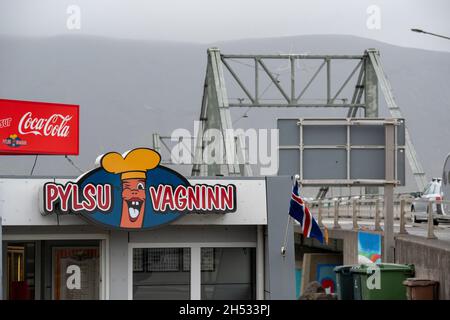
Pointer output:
x,y
71,269
20,271
53,270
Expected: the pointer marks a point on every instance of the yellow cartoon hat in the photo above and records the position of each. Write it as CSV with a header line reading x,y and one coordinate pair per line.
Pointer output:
x,y
133,165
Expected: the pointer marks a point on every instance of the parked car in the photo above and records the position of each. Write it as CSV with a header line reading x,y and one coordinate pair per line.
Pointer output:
x,y
419,207
446,187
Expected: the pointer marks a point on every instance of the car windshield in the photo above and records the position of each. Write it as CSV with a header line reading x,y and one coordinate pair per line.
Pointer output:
x,y
433,188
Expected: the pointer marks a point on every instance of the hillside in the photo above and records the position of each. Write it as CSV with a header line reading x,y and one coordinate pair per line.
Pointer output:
x,y
129,89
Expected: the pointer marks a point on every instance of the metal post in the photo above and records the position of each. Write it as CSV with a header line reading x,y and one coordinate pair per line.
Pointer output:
x,y
389,242
328,80
256,81
371,100
336,215
348,208
260,263
328,209
196,257
215,114
319,214
355,213
292,101
430,234
359,214
377,215
156,142
402,217
416,167
370,89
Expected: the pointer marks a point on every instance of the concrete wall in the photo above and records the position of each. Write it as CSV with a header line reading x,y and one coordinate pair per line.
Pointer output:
x,y
310,262
431,259
350,240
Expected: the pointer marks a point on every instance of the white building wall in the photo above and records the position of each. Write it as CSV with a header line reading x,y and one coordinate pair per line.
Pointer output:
x,y
20,203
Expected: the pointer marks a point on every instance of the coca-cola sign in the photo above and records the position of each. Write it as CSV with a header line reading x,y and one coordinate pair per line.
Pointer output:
x,y
55,125
38,128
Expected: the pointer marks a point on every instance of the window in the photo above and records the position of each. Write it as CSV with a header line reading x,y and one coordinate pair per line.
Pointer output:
x,y
233,275
160,273
427,189
433,188
166,273
207,263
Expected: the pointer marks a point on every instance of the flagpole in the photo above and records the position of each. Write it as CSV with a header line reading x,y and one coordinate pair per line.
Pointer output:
x,y
283,247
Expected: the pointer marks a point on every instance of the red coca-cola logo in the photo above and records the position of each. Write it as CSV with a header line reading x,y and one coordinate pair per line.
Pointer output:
x,y
54,126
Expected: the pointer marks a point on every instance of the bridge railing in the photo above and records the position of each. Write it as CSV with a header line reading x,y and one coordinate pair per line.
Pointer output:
x,y
371,207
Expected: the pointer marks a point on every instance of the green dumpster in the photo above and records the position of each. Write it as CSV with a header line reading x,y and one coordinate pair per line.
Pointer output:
x,y
381,281
344,282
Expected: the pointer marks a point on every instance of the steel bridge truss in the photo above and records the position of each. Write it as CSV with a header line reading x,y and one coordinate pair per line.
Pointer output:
x,y
363,82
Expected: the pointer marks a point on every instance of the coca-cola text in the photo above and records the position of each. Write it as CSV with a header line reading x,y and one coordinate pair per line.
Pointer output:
x,y
55,126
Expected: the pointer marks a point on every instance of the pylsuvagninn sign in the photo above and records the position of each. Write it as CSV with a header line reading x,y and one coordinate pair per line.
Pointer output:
x,y
134,192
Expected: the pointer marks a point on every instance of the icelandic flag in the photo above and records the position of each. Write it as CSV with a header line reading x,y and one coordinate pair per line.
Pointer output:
x,y
300,212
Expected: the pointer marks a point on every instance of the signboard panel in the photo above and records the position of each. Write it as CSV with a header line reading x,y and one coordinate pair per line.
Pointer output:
x,y
289,161
250,203
132,191
340,151
324,164
324,135
291,134
367,164
369,247
38,128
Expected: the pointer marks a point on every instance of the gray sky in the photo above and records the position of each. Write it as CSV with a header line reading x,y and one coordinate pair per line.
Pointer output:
x,y
213,20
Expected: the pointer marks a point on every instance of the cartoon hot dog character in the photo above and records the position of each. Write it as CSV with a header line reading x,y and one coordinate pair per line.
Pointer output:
x,y
132,168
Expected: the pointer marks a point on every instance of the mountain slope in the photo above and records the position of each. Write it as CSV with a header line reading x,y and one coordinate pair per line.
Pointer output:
x,y
129,89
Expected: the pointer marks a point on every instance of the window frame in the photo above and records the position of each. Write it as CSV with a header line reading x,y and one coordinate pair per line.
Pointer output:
x,y
195,280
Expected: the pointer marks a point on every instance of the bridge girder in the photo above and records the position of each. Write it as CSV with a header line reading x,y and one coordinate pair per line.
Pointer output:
x,y
367,74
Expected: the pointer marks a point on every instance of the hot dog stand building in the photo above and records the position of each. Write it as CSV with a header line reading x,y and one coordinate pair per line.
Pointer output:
x,y
134,229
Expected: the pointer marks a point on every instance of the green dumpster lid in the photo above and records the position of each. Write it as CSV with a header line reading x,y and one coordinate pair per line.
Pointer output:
x,y
344,267
363,268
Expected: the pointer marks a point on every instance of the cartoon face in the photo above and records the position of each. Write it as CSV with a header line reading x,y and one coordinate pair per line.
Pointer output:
x,y
133,203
